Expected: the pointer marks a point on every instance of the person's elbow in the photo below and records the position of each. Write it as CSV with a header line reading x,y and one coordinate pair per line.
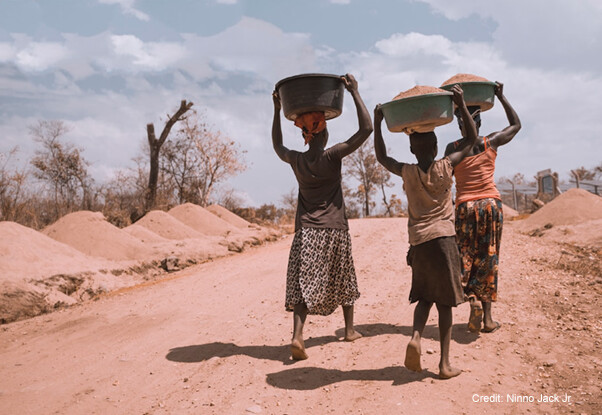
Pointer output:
x,y
366,130
381,155
517,126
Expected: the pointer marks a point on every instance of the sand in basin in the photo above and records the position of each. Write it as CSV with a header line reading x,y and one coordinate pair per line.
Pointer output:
x,y
167,226
573,207
464,77
201,220
419,90
228,216
90,233
27,253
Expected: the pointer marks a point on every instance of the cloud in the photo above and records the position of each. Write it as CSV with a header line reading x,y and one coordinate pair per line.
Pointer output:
x,y
542,33
340,1
39,56
150,55
227,1
110,85
127,6
556,106
404,45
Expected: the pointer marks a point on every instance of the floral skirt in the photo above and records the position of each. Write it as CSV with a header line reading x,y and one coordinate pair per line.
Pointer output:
x,y
320,272
479,235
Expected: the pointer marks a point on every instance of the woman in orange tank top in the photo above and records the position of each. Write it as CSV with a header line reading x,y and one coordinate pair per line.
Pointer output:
x,y
479,216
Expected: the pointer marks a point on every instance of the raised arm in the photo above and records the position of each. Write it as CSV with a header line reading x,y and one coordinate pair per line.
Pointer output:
x,y
365,122
471,130
507,134
284,153
380,149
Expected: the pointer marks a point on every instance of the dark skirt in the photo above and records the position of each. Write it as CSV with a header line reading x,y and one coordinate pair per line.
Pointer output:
x,y
479,235
320,271
436,272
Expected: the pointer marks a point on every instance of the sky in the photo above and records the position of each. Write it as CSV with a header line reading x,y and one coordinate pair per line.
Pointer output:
x,y
107,68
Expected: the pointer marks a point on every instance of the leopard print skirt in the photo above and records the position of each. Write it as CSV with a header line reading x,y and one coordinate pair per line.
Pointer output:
x,y
320,272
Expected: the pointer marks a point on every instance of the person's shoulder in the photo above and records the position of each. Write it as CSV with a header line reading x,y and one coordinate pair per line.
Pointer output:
x,y
333,152
451,146
444,164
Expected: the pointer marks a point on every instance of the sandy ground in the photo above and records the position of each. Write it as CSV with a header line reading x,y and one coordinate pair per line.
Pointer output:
x,y
213,339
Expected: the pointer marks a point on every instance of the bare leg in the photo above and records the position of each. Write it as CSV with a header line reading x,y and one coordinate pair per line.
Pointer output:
x,y
297,344
488,324
446,371
350,333
421,315
476,315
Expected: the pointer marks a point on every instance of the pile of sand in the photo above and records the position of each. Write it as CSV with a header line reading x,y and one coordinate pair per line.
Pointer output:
x,y
90,233
27,253
144,234
228,216
573,217
464,77
508,211
201,220
167,226
575,206
420,90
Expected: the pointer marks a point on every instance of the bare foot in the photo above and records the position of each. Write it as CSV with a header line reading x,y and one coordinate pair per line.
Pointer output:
x,y
353,335
412,361
298,350
476,317
491,327
448,372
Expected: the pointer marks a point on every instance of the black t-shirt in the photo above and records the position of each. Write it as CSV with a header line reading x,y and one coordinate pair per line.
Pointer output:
x,y
320,203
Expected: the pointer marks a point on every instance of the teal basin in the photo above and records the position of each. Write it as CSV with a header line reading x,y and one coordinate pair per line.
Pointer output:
x,y
419,113
480,94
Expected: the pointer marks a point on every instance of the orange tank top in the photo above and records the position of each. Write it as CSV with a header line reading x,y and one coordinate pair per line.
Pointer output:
x,y
474,176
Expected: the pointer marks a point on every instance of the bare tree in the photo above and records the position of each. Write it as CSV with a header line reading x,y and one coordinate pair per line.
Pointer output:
x,y
155,150
582,173
288,202
62,166
230,200
222,158
598,170
12,188
371,175
180,163
197,160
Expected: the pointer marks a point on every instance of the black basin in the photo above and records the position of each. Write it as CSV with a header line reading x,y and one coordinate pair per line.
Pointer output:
x,y
311,92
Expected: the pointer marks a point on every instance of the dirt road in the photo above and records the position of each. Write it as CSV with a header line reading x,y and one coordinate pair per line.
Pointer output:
x,y
213,339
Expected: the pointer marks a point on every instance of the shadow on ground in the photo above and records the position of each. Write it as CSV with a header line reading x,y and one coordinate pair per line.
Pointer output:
x,y
460,333
309,378
202,352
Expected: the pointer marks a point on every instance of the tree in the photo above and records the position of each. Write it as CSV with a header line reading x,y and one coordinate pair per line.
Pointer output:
x,y
598,170
371,175
289,203
12,183
62,166
395,206
181,164
582,173
221,158
155,150
198,160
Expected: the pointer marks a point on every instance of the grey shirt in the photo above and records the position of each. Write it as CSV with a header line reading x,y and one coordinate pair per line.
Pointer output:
x,y
320,203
